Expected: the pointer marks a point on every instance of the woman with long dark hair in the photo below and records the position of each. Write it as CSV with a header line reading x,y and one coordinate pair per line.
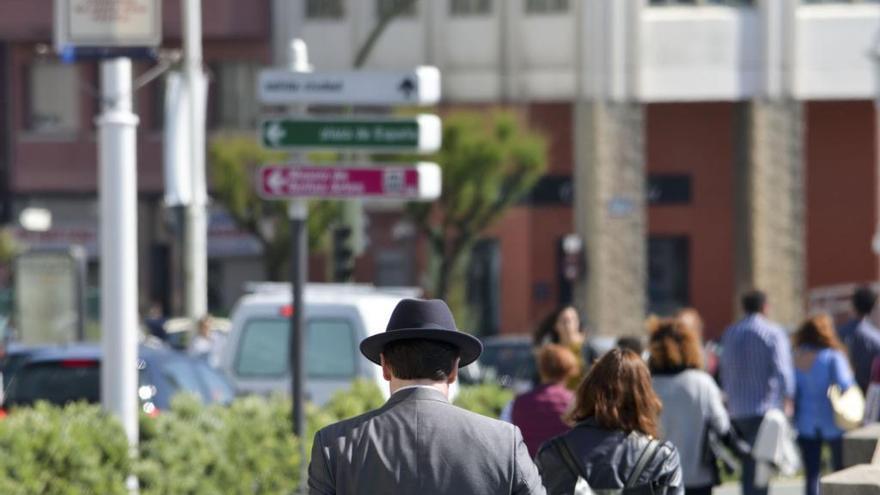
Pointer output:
x,y
612,444
820,362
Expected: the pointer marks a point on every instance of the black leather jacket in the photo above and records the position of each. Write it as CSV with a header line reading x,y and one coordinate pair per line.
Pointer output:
x,y
607,459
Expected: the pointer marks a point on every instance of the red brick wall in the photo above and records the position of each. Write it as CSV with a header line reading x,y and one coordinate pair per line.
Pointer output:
x,y
32,19
697,139
841,140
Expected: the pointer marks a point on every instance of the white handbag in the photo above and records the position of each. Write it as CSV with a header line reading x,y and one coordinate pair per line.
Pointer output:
x,y
848,406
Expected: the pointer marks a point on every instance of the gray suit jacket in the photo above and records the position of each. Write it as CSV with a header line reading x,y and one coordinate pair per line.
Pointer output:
x,y
419,443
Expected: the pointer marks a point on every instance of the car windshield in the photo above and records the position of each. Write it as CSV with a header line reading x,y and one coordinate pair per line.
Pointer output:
x,y
181,376
513,360
330,351
58,382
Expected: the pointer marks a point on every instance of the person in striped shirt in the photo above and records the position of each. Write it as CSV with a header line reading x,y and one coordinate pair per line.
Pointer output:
x,y
757,375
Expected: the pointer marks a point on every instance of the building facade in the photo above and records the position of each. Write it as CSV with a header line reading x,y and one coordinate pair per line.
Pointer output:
x,y
706,146
698,148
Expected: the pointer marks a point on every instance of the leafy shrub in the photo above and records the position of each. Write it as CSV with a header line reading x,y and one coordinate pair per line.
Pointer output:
x,y
72,450
486,399
192,449
244,448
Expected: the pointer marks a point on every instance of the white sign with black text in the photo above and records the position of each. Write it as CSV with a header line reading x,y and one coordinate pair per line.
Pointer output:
x,y
415,87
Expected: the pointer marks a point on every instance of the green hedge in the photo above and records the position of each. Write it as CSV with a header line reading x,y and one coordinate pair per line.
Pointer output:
x,y
245,448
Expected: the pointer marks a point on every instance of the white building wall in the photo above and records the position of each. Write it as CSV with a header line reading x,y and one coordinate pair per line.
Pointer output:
x,y
700,53
833,51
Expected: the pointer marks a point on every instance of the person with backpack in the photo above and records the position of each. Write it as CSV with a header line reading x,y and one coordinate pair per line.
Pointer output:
x,y
612,446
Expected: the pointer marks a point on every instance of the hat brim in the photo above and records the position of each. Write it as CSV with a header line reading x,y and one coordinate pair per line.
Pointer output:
x,y
469,346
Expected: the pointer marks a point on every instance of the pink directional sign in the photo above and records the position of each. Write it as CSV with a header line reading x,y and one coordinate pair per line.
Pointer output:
x,y
414,182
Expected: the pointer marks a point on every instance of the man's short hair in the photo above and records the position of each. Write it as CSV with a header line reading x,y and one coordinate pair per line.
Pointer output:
x,y
863,300
754,301
420,359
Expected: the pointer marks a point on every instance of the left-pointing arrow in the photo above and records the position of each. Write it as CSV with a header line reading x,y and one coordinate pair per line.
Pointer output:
x,y
274,133
275,181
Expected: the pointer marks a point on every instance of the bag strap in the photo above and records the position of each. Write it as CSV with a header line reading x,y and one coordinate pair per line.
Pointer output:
x,y
648,453
568,457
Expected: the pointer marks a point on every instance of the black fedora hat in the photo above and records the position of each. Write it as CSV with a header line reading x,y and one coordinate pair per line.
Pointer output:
x,y
423,319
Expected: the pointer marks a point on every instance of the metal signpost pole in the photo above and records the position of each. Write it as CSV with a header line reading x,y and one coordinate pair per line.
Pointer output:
x,y
298,212
119,286
195,256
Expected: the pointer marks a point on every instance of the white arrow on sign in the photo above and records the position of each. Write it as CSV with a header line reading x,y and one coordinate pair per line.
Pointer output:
x,y
275,133
420,86
275,181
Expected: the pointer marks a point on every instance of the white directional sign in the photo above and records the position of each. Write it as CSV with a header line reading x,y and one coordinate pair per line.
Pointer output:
x,y
419,182
415,87
107,23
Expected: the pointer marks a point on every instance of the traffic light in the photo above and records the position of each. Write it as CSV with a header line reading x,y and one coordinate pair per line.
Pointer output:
x,y
343,254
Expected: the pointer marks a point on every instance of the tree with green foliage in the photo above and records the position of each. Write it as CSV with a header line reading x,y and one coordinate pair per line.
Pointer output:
x,y
233,161
489,161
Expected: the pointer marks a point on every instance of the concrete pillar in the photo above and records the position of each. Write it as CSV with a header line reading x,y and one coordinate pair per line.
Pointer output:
x,y
609,173
610,214
770,182
770,203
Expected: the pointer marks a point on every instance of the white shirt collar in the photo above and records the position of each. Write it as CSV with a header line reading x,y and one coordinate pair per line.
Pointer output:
x,y
414,386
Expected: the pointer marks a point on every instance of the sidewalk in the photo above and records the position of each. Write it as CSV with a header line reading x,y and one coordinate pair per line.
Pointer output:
x,y
787,486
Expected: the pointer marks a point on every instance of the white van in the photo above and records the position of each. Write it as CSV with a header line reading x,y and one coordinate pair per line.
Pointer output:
x,y
337,318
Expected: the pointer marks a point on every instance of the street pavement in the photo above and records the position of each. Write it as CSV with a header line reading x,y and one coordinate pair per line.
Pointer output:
x,y
786,486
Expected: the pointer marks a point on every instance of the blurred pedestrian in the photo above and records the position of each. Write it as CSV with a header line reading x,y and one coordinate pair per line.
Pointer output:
x,y
204,344
861,336
820,362
563,327
616,413
632,343
692,404
539,413
757,375
418,442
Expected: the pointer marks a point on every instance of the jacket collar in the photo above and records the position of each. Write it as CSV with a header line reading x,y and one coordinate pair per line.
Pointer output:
x,y
416,393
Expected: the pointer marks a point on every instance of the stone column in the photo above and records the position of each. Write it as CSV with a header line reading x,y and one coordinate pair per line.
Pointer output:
x,y
770,199
610,214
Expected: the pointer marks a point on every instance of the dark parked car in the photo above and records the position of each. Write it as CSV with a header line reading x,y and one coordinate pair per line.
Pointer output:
x,y
14,357
60,375
509,360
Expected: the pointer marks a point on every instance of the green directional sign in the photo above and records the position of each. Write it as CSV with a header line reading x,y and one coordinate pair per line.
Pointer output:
x,y
421,134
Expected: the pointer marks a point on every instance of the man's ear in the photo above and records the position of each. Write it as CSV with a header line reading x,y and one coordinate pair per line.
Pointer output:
x,y
454,374
386,368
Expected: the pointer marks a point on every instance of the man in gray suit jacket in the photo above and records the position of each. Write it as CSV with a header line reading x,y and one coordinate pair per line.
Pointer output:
x,y
419,443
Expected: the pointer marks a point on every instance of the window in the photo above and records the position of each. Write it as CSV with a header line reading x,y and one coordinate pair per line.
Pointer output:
x,y
330,348
401,8
839,1
668,274
703,2
263,348
669,189
235,98
470,7
56,382
53,98
546,6
182,377
324,9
